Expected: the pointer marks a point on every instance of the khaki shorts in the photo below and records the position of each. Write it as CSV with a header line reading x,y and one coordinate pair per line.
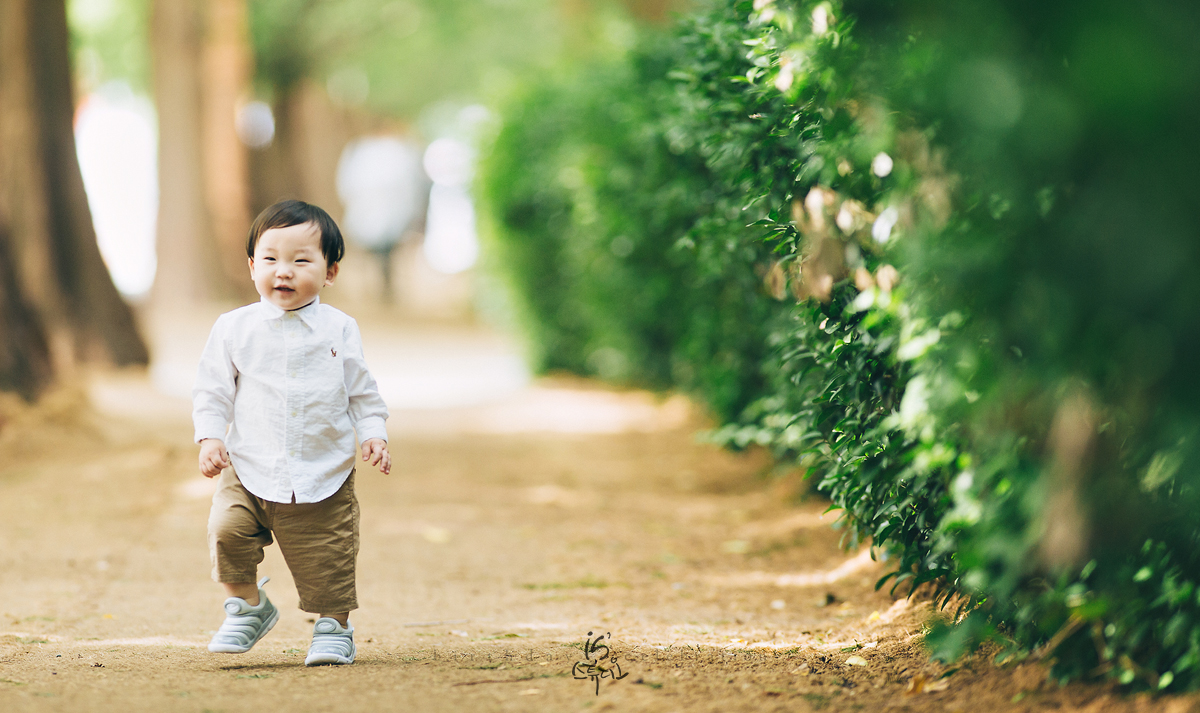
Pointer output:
x,y
319,541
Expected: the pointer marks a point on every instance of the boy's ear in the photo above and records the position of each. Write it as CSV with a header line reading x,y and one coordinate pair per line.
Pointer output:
x,y
250,261
331,273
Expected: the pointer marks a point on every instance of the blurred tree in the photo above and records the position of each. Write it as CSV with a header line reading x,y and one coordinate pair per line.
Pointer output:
x,y
59,270
188,266
24,354
228,65
329,68
110,42
396,57
200,75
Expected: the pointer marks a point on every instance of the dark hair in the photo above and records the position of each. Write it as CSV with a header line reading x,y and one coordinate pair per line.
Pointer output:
x,y
285,214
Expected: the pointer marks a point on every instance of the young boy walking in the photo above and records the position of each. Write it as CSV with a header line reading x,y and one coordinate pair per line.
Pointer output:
x,y
281,391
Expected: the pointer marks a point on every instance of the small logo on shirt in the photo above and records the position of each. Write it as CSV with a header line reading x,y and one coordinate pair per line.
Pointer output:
x,y
332,351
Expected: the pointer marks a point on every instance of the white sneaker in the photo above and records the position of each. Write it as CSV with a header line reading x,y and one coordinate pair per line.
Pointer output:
x,y
331,644
244,625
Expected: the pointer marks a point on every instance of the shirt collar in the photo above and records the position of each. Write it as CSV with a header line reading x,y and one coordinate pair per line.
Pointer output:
x,y
307,313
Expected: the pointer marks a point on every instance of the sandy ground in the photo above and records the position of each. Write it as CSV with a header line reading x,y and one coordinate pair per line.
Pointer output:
x,y
517,525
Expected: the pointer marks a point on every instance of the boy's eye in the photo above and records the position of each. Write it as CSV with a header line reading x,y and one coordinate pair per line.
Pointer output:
x,y
303,260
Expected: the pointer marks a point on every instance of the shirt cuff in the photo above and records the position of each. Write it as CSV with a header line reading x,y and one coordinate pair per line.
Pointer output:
x,y
371,427
210,429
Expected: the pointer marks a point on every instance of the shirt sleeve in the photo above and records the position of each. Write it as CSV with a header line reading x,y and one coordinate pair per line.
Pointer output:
x,y
216,382
367,410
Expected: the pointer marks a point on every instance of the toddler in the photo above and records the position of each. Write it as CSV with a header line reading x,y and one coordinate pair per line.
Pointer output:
x,y
281,391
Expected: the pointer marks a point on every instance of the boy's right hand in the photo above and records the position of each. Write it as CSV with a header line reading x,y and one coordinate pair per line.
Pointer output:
x,y
213,457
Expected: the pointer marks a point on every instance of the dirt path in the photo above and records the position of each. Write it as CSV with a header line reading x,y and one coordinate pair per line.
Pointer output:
x,y
507,532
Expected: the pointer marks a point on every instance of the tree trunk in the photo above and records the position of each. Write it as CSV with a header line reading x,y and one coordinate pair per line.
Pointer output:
x,y
301,162
317,135
59,267
227,72
25,365
189,266
274,167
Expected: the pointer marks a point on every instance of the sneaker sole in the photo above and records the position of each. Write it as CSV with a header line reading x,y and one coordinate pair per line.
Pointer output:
x,y
219,649
329,659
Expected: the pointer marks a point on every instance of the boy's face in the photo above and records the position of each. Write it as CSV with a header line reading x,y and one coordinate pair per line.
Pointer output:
x,y
288,268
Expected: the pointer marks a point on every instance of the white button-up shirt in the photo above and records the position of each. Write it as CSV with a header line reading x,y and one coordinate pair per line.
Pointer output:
x,y
286,391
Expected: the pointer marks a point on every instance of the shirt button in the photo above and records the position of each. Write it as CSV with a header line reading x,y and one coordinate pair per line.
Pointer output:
x,y
295,413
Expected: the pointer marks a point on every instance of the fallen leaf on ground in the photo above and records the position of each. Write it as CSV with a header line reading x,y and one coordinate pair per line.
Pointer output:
x,y
915,686
920,684
856,661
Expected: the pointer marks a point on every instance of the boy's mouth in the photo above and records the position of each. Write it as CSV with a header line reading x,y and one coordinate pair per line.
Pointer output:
x,y
283,288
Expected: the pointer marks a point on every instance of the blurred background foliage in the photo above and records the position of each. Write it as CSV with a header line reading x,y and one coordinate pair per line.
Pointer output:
x,y
399,56
394,58
109,42
952,247
257,99
596,217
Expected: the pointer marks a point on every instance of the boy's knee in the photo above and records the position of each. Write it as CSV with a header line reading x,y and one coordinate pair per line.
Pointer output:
x,y
235,550
234,533
229,530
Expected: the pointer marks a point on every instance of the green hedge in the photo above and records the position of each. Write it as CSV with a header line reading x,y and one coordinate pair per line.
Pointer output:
x,y
942,254
590,210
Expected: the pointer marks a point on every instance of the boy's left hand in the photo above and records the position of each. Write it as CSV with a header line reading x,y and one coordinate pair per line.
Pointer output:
x,y
376,450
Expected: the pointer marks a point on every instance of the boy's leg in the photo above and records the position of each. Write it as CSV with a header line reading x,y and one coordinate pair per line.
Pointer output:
x,y
319,542
238,530
242,590
342,617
